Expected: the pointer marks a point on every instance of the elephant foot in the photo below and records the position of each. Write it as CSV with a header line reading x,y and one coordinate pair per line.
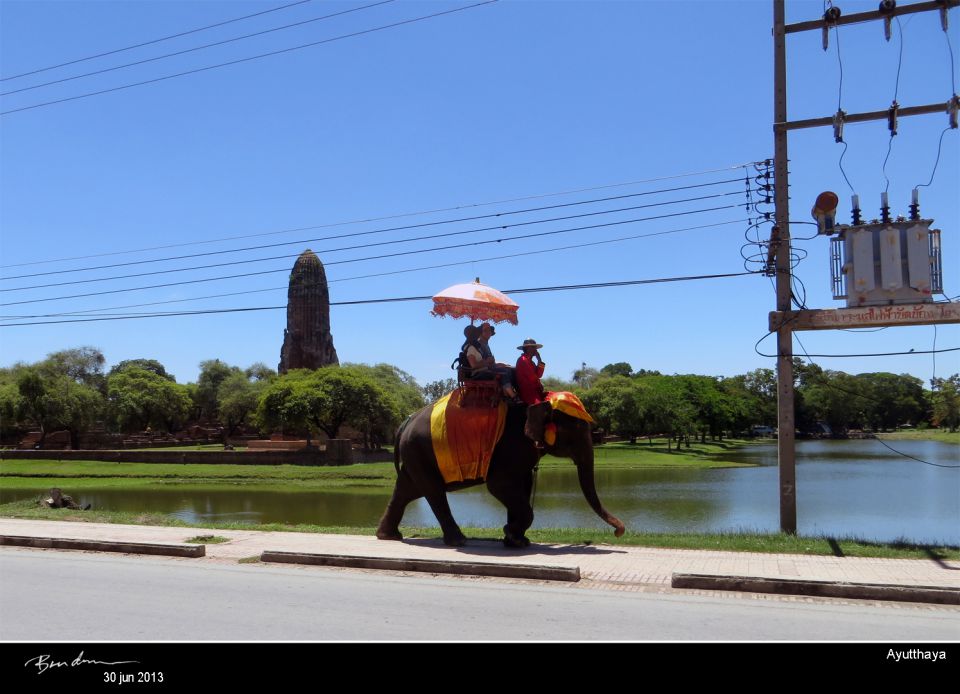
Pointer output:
x,y
514,541
457,539
389,535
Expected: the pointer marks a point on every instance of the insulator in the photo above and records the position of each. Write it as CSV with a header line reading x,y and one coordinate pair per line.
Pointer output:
x,y
887,8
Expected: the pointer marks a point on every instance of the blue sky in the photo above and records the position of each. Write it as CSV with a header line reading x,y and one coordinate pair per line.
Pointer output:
x,y
505,101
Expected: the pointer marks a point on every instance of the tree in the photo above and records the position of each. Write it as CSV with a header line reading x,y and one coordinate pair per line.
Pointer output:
x,y
945,400
434,390
237,398
617,404
81,364
585,376
213,373
668,410
621,368
260,372
836,398
151,365
892,400
326,399
140,398
54,400
552,383
401,385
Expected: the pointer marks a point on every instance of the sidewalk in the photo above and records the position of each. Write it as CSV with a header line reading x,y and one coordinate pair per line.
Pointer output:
x,y
610,566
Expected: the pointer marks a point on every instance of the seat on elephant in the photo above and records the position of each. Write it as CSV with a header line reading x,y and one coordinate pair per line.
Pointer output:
x,y
483,394
464,435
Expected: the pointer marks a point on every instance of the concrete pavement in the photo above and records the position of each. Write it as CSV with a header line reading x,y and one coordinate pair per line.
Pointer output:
x,y
601,566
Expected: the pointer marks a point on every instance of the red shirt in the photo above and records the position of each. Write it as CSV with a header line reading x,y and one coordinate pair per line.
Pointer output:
x,y
527,377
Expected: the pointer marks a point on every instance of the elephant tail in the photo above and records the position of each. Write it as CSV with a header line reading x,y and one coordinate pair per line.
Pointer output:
x,y
396,443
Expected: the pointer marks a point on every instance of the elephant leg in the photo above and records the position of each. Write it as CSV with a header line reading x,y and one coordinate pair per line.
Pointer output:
x,y
519,513
452,535
403,493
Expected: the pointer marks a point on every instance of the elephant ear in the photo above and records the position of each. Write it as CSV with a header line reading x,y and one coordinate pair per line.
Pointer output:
x,y
538,416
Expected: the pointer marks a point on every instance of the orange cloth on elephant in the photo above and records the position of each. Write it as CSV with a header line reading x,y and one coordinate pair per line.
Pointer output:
x,y
464,437
568,403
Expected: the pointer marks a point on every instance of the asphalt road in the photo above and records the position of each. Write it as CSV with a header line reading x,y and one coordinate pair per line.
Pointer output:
x,y
71,596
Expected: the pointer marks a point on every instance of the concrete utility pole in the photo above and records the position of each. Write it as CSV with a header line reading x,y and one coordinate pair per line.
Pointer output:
x,y
783,320
785,400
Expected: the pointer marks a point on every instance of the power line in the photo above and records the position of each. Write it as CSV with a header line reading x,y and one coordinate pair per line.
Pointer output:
x,y
196,48
527,290
538,252
363,245
371,232
896,90
377,257
245,60
875,354
823,381
388,217
147,43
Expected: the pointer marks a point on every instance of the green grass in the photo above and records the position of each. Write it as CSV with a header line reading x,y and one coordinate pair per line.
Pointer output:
x,y
922,435
777,543
655,454
84,470
207,540
95,473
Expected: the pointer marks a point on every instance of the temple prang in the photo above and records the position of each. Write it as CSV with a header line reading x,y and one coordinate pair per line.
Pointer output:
x,y
307,341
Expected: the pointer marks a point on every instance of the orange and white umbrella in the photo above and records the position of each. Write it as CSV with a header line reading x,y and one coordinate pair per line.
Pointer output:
x,y
477,302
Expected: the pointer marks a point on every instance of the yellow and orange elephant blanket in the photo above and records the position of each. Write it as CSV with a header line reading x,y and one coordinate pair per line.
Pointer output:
x,y
464,437
568,403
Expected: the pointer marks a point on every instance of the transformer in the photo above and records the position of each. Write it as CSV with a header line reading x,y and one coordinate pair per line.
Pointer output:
x,y
886,263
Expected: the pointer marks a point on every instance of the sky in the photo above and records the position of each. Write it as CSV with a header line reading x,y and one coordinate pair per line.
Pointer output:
x,y
487,113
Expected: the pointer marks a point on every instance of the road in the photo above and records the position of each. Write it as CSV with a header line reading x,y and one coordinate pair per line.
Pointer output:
x,y
72,596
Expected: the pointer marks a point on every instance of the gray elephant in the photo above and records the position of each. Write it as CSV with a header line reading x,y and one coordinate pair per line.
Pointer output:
x,y
510,475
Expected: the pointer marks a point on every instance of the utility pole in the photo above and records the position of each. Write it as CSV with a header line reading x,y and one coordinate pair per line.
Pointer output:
x,y
785,398
783,320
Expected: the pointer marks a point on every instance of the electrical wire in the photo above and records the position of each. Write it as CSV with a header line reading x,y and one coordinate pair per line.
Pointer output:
x,y
376,257
896,91
836,37
537,252
381,231
936,163
388,217
866,397
362,245
147,43
196,48
877,354
247,59
527,290
934,352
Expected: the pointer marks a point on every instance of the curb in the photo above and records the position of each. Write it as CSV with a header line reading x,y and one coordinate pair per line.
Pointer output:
x,y
828,589
191,551
548,573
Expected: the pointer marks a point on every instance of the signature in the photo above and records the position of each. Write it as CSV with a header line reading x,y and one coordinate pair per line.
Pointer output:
x,y
43,662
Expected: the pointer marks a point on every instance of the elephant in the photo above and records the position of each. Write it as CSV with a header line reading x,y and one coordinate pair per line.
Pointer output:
x,y
509,478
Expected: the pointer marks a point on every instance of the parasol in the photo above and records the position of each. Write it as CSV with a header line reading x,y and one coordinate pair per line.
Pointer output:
x,y
475,301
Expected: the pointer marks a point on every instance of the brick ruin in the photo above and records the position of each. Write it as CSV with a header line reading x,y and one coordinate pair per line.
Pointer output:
x,y
307,342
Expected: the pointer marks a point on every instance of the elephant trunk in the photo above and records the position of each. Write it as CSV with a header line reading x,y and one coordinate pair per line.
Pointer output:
x,y
584,461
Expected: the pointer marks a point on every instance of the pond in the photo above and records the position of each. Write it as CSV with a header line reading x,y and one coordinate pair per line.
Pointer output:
x,y
844,488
